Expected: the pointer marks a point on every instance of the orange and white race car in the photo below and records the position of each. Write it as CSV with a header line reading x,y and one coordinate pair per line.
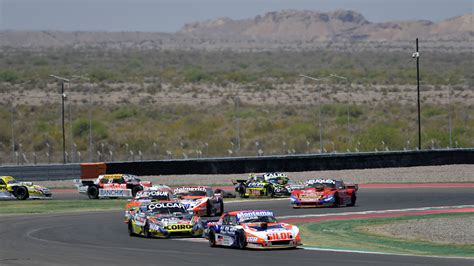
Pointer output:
x,y
252,229
201,200
112,186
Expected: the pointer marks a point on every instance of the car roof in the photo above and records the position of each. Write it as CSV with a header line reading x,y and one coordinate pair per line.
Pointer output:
x,y
243,211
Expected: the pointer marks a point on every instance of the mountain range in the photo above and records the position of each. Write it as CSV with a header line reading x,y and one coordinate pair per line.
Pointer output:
x,y
287,29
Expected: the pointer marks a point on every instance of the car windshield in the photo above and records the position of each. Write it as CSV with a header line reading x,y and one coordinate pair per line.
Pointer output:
x,y
11,181
259,219
328,185
191,192
175,211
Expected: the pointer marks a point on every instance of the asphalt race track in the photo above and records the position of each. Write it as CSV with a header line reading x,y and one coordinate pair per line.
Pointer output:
x,y
102,239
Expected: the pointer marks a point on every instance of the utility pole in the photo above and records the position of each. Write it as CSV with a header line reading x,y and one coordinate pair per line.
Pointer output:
x,y
417,56
63,97
237,103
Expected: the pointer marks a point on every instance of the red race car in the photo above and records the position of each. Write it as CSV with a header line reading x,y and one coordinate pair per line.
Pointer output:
x,y
201,200
324,192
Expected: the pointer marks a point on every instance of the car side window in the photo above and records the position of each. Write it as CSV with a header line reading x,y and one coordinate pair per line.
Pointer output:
x,y
233,220
2,183
340,185
225,220
209,193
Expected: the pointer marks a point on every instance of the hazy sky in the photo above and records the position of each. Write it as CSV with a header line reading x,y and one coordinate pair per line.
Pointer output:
x,y
171,15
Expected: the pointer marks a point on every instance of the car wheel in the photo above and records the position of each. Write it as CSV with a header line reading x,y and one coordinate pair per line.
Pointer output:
x,y
242,192
241,241
221,209
337,200
208,209
21,193
270,191
93,192
136,189
146,230
353,200
212,239
130,228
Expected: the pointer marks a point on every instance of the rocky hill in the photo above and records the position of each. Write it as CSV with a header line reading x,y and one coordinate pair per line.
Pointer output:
x,y
287,29
294,25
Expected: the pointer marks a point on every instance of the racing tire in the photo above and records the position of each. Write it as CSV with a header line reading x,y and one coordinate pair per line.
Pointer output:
x,y
93,192
208,209
337,200
212,239
21,193
146,230
221,209
136,189
240,239
242,192
270,191
130,229
353,201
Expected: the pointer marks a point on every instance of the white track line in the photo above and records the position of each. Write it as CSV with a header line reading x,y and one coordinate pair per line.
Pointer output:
x,y
374,212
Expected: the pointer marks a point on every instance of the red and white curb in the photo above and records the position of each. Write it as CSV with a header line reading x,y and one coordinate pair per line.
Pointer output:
x,y
375,214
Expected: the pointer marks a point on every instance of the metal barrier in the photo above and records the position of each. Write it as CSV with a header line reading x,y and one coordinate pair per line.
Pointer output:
x,y
284,163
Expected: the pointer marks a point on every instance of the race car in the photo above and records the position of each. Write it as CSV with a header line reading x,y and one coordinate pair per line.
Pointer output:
x,y
201,200
324,192
266,185
112,186
163,219
12,189
148,196
257,229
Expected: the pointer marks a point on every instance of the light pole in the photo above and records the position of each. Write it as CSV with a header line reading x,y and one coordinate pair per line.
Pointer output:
x,y
13,131
321,146
90,113
417,56
63,96
237,103
449,118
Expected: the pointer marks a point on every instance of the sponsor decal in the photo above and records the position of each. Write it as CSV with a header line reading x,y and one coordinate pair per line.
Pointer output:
x,y
114,192
252,239
176,227
321,181
164,205
281,189
274,175
279,236
228,229
152,193
256,184
186,189
244,215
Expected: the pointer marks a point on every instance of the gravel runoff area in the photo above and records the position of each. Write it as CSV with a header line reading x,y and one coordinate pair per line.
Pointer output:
x,y
458,230
460,173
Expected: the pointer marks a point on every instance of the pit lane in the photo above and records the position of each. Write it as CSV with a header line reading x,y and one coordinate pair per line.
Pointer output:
x,y
102,239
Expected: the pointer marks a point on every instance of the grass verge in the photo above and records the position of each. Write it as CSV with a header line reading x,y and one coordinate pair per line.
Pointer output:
x,y
58,206
349,234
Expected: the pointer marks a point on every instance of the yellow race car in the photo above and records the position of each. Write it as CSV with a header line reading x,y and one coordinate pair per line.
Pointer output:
x,y
12,189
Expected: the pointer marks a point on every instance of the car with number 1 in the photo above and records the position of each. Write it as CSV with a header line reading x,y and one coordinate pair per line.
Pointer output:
x,y
257,229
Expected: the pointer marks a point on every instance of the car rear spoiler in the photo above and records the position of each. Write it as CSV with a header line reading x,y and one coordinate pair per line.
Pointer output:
x,y
238,181
354,186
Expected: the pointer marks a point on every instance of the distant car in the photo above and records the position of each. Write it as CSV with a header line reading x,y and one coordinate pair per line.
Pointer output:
x,y
265,185
252,229
201,200
163,219
12,189
148,196
112,186
324,192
